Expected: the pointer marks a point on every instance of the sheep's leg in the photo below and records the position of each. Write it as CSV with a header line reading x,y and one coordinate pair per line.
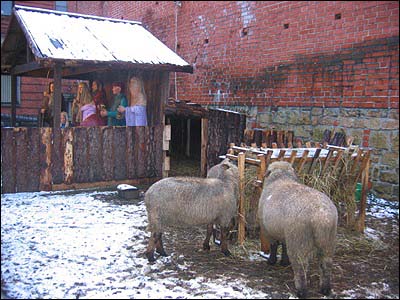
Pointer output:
x,y
300,280
150,247
272,252
325,265
284,258
159,245
224,241
206,243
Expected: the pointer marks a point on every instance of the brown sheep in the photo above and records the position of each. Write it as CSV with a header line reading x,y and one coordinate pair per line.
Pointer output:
x,y
303,219
193,201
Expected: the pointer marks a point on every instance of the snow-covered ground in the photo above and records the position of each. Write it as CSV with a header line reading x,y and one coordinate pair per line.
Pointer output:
x,y
75,245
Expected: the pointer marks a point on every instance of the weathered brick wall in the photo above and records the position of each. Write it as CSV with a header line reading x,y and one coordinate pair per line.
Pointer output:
x,y
291,57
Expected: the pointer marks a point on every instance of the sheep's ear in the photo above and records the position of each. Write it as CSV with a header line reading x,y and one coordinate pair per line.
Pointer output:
x,y
225,166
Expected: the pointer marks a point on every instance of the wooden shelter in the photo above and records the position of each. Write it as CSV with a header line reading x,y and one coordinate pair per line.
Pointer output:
x,y
85,47
59,45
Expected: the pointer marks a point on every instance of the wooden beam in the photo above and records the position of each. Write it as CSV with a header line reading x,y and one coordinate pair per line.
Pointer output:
x,y
25,68
57,95
73,71
13,100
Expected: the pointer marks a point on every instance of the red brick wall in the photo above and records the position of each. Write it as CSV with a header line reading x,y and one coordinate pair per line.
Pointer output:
x,y
243,55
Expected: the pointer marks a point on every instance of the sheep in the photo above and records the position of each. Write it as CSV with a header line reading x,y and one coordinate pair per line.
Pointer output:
x,y
303,219
193,201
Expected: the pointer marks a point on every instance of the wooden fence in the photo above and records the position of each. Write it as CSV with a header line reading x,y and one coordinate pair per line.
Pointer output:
x,y
35,159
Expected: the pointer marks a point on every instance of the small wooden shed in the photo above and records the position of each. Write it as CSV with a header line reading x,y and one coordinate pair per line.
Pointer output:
x,y
52,44
61,45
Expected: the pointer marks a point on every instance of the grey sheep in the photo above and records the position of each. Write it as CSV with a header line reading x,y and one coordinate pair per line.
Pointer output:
x,y
303,219
193,201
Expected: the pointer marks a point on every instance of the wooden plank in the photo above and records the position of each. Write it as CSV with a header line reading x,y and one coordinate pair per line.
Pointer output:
x,y
22,176
302,161
267,138
68,141
327,162
360,223
130,153
293,157
108,153
45,159
289,138
241,215
80,155
280,139
33,159
95,154
151,151
316,155
281,154
157,132
141,151
119,144
8,160
57,157
204,143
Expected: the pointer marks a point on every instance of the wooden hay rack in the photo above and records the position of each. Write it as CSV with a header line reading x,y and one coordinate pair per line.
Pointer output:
x,y
343,166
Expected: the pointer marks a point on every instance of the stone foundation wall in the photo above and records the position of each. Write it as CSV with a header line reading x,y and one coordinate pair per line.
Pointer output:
x,y
374,128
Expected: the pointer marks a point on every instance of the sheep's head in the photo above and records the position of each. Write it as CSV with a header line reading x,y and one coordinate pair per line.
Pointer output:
x,y
223,169
280,168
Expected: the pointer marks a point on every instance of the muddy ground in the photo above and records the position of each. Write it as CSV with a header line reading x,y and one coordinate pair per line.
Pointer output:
x,y
365,265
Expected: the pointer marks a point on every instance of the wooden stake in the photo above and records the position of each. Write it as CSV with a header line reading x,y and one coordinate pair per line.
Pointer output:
x,y
241,216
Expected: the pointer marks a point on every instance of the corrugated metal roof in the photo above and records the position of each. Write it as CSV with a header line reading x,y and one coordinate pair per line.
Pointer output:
x,y
70,36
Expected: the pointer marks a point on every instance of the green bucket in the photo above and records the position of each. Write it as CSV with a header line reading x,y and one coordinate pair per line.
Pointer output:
x,y
358,191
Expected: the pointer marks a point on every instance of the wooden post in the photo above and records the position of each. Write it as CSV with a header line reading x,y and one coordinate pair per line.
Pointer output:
x,y
45,168
57,95
13,100
69,155
204,143
260,176
241,216
360,224
187,152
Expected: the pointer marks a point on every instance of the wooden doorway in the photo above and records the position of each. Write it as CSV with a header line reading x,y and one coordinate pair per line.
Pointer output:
x,y
185,146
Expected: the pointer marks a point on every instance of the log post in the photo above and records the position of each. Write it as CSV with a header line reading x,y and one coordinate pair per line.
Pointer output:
x,y
260,176
204,143
241,216
360,223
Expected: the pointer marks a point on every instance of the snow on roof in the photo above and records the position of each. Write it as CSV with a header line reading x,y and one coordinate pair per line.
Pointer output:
x,y
71,36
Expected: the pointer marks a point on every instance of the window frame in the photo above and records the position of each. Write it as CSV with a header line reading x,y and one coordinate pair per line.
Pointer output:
x,y
8,90
9,5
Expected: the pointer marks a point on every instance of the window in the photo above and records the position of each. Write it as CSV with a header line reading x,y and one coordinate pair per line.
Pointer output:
x,y
6,90
6,8
61,5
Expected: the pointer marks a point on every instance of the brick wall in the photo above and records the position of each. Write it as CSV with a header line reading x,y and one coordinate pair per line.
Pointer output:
x,y
265,57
